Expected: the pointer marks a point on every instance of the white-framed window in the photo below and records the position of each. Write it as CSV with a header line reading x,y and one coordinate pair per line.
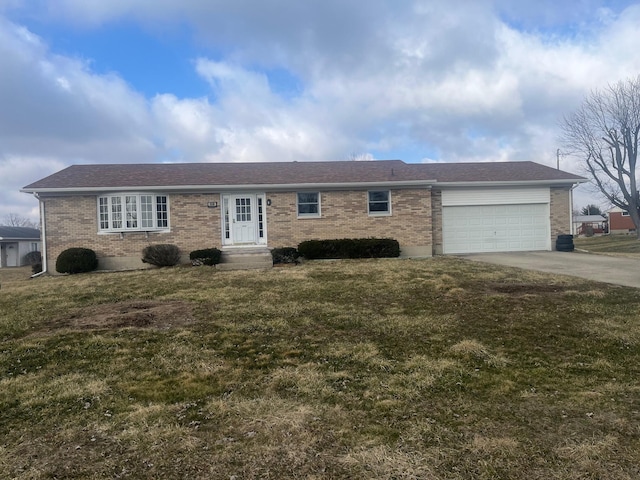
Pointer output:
x,y
625,213
133,212
308,204
379,202
33,247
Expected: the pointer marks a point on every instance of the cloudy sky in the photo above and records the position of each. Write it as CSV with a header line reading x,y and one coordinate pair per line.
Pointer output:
x,y
95,81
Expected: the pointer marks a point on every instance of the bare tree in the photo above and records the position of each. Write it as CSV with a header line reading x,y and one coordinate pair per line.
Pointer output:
x,y
604,133
15,220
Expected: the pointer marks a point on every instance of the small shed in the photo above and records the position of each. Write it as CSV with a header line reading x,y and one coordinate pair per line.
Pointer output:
x,y
589,224
15,243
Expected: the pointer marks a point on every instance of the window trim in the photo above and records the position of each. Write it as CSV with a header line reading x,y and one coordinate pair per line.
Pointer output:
x,y
385,213
124,212
625,213
309,215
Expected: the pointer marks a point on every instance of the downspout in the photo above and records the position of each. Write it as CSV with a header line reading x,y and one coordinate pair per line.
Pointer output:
x,y
571,224
43,226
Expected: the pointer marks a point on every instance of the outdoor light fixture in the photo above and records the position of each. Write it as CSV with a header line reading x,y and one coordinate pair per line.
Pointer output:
x,y
212,204
268,202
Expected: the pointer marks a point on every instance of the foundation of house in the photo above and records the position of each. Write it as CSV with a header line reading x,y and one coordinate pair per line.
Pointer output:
x,y
245,259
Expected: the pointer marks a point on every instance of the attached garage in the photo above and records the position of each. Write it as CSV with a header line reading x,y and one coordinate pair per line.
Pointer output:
x,y
495,220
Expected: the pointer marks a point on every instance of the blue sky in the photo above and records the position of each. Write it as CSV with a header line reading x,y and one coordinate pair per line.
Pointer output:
x,y
133,81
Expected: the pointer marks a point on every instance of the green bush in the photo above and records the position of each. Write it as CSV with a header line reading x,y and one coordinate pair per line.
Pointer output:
x,y
162,255
285,255
76,260
32,258
350,248
206,256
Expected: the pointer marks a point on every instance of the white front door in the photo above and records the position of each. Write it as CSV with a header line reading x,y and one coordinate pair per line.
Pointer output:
x,y
13,258
244,219
243,223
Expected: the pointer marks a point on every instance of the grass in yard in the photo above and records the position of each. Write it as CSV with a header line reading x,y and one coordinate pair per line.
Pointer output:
x,y
621,245
404,369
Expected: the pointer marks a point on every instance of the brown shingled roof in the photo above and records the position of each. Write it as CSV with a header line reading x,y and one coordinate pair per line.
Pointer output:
x,y
494,172
109,176
203,174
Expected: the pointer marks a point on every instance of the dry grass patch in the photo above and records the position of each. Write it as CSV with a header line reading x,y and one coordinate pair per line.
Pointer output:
x,y
474,350
127,314
494,445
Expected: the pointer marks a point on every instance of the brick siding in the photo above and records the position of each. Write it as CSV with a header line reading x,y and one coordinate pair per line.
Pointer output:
x,y
436,202
560,211
72,221
344,214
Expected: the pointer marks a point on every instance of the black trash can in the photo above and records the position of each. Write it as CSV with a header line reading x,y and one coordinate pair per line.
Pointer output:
x,y
564,243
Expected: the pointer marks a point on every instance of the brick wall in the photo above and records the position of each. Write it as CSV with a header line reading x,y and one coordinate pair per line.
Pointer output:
x,y
73,222
620,224
560,211
436,202
344,214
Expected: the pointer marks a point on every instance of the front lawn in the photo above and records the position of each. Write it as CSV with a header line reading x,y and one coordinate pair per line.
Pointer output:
x,y
378,369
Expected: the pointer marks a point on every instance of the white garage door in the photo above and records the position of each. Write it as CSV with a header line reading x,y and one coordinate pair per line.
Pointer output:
x,y
505,227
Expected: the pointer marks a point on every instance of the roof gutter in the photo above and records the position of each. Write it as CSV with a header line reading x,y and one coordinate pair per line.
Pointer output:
x,y
541,183
219,188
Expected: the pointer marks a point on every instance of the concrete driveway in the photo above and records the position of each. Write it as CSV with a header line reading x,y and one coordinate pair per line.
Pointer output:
x,y
601,268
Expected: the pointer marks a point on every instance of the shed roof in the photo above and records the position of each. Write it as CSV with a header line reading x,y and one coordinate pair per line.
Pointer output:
x,y
19,233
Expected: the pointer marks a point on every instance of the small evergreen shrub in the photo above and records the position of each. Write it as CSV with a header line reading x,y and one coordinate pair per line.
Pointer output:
x,y
284,255
32,258
76,260
207,256
350,248
162,255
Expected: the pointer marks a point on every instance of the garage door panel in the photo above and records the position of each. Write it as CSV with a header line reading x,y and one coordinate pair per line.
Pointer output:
x,y
495,228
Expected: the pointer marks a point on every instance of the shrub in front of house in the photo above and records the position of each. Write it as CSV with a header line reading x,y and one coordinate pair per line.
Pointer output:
x,y
206,256
350,248
34,259
285,255
161,255
76,260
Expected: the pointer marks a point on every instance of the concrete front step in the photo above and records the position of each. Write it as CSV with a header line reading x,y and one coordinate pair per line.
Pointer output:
x,y
245,259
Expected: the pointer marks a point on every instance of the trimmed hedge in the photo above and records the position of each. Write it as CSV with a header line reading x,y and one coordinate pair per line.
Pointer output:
x,y
285,255
350,248
76,260
161,255
206,256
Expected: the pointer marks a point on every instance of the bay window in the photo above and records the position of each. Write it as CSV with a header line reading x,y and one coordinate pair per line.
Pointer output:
x,y
133,212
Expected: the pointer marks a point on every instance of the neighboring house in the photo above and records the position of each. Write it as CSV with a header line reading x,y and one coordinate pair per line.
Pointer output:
x,y
620,221
439,208
589,224
15,243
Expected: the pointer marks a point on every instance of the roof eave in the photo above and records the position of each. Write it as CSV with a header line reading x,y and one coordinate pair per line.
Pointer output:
x,y
223,188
